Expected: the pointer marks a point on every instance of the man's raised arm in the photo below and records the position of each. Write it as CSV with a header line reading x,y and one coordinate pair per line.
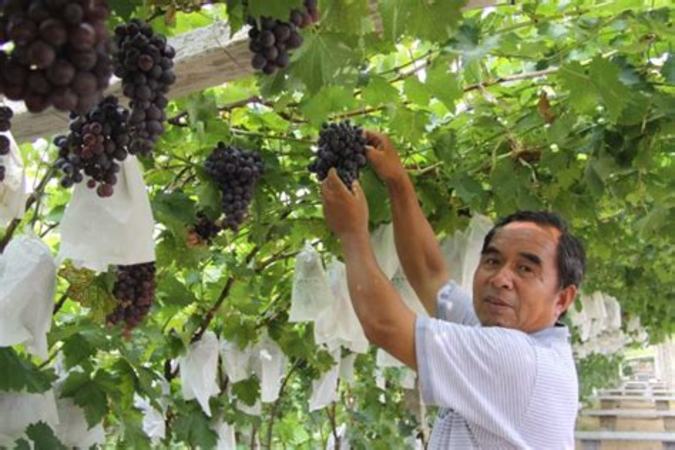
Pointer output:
x,y
416,244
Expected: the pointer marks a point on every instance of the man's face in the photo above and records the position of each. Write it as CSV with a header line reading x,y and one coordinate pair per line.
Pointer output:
x,y
516,283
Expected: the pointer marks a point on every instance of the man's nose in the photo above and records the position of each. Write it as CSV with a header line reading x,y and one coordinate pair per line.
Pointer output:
x,y
503,278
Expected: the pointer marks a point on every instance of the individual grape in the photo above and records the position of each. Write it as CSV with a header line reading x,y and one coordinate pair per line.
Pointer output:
x,y
96,143
236,173
144,62
60,53
134,291
341,145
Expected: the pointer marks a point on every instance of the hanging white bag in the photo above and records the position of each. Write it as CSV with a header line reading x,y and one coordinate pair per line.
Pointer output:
x,y
73,429
154,424
226,436
478,228
452,248
384,248
324,389
118,230
341,319
19,410
14,189
236,362
272,368
346,372
407,293
311,292
199,371
28,281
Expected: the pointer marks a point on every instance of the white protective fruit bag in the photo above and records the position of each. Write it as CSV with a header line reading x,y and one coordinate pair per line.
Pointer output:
x,y
311,292
479,226
199,371
236,362
272,369
384,247
98,232
15,189
407,293
18,410
226,436
27,283
324,389
338,325
73,429
153,425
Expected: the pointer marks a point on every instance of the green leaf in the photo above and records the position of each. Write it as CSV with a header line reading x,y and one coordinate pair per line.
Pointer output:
x,y
583,96
170,291
20,374
90,290
346,16
319,59
277,9
192,427
605,76
379,91
444,85
76,350
43,437
409,125
88,394
329,100
416,91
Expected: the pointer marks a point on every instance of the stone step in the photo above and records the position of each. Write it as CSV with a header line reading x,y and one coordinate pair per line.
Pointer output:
x,y
627,420
624,440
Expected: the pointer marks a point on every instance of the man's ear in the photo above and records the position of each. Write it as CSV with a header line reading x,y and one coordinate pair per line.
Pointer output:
x,y
565,299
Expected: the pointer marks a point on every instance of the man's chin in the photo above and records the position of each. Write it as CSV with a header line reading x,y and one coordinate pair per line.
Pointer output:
x,y
496,322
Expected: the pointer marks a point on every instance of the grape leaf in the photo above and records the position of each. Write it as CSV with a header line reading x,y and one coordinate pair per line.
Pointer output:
x,y
88,394
90,290
192,427
20,374
43,437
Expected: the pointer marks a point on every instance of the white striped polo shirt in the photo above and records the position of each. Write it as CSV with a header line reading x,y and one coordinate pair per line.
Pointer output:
x,y
498,388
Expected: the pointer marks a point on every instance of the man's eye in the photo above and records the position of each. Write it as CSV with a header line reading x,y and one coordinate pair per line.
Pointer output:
x,y
524,268
491,261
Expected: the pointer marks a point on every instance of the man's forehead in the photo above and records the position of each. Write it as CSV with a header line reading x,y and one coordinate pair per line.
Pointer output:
x,y
528,232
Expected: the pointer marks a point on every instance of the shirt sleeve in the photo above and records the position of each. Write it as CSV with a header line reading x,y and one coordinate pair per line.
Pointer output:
x,y
485,374
455,305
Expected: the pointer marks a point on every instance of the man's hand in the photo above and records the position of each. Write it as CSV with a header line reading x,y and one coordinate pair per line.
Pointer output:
x,y
383,157
346,212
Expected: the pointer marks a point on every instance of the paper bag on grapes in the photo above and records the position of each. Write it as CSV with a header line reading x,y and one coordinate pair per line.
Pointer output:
x,y
19,410
118,230
27,283
384,248
479,226
407,293
154,425
226,436
311,292
324,389
73,429
272,369
338,324
14,187
199,371
237,362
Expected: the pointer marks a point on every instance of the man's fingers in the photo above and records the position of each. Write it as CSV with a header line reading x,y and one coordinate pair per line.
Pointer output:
x,y
373,138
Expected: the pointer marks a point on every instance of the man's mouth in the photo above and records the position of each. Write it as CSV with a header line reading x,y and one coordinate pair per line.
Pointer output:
x,y
496,301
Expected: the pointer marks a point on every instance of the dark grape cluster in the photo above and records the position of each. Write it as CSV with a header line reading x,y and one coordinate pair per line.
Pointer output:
x,y
95,144
6,114
134,290
60,55
235,172
205,228
271,40
144,62
341,145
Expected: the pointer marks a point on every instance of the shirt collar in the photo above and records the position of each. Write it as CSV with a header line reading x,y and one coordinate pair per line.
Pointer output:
x,y
558,332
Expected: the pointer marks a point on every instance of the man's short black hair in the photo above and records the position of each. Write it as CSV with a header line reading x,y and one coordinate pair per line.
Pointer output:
x,y
570,251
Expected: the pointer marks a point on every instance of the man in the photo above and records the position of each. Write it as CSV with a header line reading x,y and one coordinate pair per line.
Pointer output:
x,y
508,384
